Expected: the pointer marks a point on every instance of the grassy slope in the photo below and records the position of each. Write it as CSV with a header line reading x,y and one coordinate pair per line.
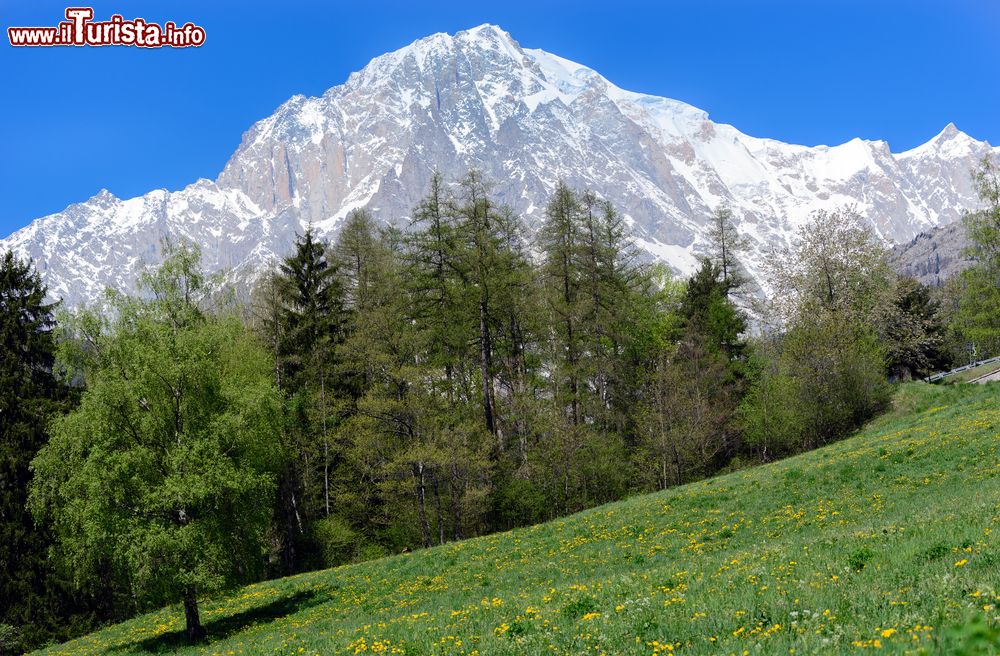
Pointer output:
x,y
879,542
971,374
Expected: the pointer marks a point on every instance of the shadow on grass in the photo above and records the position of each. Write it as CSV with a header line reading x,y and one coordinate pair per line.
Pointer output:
x,y
223,627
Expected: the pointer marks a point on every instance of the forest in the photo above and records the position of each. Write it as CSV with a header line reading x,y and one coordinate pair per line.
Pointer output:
x,y
449,377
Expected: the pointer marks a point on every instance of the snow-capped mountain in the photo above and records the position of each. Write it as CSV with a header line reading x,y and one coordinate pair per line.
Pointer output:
x,y
527,118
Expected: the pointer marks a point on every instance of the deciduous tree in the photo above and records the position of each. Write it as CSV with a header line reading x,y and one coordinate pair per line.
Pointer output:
x,y
166,467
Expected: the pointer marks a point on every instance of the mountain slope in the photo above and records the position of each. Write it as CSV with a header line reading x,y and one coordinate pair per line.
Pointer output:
x,y
884,541
525,117
933,256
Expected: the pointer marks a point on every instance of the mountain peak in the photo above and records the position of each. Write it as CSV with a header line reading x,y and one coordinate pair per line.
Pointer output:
x,y
102,198
487,30
527,119
950,143
949,132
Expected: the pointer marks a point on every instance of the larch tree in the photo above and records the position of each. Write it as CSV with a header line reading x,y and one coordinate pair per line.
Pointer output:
x,y
561,242
421,454
726,245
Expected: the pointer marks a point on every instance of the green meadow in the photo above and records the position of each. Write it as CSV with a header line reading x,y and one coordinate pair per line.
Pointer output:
x,y
887,542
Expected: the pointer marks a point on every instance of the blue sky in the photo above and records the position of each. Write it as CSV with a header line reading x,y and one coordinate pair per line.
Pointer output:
x,y
814,72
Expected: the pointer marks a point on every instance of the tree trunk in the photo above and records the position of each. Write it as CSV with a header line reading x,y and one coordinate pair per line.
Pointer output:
x,y
456,510
292,521
484,366
326,447
437,502
195,631
419,480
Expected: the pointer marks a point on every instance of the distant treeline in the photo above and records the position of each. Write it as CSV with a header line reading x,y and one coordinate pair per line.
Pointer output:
x,y
401,388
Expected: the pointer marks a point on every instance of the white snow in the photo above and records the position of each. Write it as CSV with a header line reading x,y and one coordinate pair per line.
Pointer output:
x,y
663,162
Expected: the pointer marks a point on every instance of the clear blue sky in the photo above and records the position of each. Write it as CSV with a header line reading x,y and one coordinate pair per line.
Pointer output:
x,y
806,71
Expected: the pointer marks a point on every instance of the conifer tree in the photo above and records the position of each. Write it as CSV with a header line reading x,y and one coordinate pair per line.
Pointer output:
x,y
37,599
301,317
561,242
709,312
726,245
423,454
29,395
592,292
311,310
435,280
491,267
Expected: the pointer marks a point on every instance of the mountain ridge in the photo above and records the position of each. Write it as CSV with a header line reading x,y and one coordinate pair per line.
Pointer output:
x,y
527,118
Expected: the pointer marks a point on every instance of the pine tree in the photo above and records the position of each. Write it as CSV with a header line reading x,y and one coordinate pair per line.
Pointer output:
x,y
709,312
306,324
37,599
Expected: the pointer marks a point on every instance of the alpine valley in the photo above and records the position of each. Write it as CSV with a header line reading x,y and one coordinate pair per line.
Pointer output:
x,y
527,119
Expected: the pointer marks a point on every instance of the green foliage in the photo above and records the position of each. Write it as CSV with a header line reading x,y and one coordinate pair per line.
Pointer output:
x,y
166,467
825,379
978,314
29,394
860,558
708,311
38,603
838,264
338,542
310,310
913,332
692,392
413,386
771,413
10,640
299,313
425,458
845,320
976,636
691,399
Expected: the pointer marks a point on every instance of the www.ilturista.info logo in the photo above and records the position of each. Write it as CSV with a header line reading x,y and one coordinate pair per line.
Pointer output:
x,y
79,29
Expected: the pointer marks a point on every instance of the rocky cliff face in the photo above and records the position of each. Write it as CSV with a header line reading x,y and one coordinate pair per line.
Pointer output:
x,y
525,117
933,256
